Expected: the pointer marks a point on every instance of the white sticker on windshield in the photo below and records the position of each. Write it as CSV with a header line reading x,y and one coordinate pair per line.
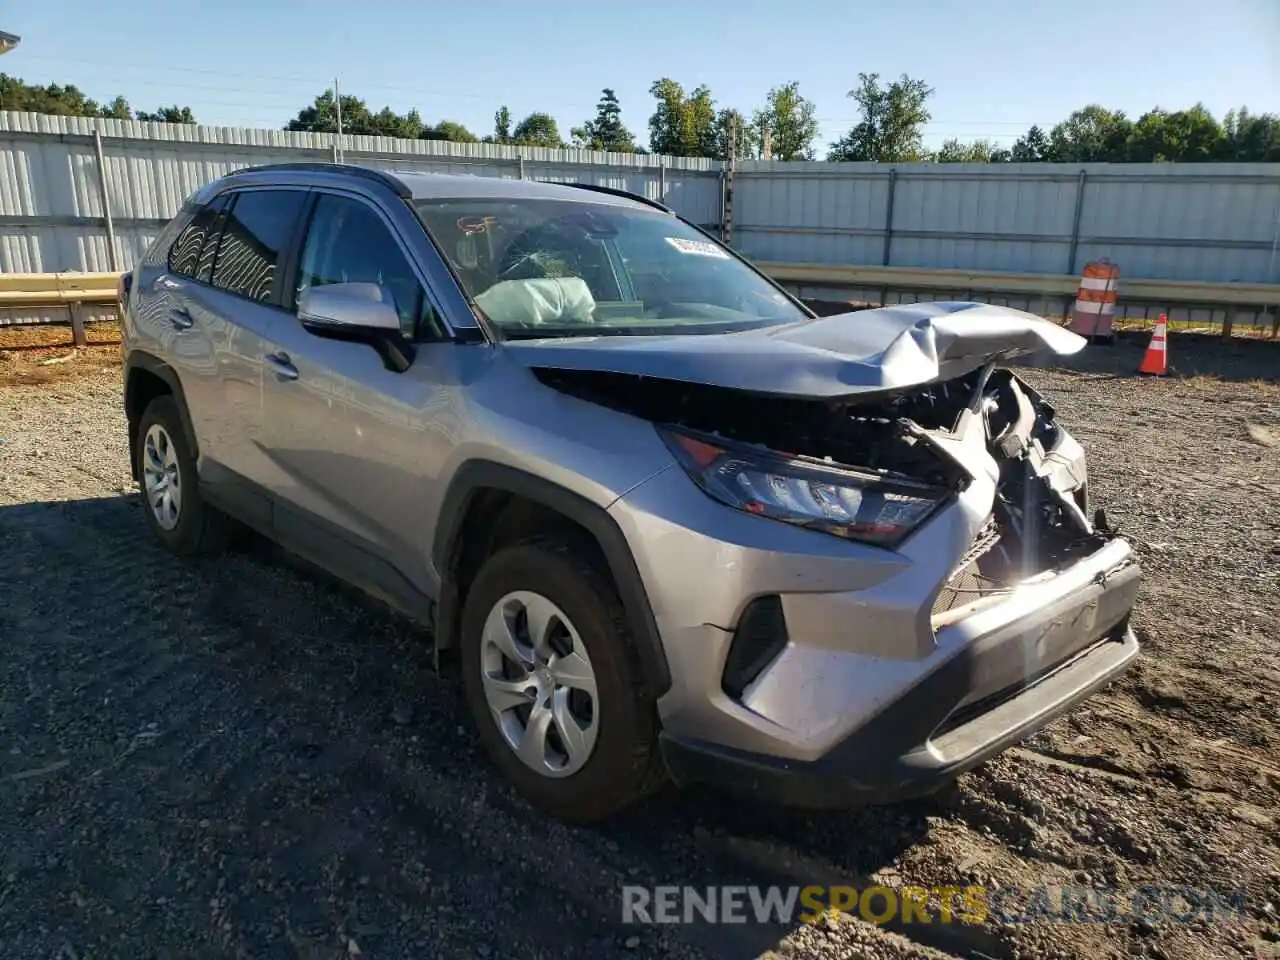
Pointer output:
x,y
699,248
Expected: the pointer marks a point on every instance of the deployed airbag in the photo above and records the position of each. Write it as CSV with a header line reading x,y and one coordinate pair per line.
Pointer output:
x,y
538,301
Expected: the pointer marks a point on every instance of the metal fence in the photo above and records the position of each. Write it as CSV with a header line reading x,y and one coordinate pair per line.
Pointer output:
x,y
68,184
1167,223
56,171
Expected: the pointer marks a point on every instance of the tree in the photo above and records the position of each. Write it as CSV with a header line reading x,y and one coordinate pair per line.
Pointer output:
x,y
1192,135
1250,137
501,126
537,130
606,131
357,119
1091,134
730,125
892,124
979,151
172,114
682,125
790,121
448,130
1031,147
70,101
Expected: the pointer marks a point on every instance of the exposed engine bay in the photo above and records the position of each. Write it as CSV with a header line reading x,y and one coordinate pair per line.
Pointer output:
x,y
1039,520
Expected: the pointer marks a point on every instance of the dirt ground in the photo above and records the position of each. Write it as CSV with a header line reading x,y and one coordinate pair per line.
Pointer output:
x,y
231,757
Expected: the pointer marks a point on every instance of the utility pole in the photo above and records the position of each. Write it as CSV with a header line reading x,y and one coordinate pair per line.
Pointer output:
x,y
337,103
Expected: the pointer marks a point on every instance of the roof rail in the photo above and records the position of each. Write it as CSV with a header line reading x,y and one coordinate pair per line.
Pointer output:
x,y
386,179
615,192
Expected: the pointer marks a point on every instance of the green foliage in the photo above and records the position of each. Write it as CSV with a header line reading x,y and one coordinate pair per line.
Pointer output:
x,y
537,130
791,122
978,151
172,114
501,126
1031,147
606,131
683,125
69,101
449,130
322,117
893,119
732,126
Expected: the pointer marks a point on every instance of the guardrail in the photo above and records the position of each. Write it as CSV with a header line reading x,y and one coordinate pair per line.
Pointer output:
x,y
1233,297
75,291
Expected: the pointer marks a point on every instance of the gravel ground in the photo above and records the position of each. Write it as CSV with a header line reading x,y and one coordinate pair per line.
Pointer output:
x,y
232,757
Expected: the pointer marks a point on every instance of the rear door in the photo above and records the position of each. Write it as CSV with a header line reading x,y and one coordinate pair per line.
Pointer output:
x,y
232,297
353,444
211,341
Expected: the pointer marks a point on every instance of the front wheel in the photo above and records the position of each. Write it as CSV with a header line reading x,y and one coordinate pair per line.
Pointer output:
x,y
553,684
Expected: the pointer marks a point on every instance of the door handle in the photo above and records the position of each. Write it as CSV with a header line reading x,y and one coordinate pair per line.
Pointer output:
x,y
164,280
181,319
282,365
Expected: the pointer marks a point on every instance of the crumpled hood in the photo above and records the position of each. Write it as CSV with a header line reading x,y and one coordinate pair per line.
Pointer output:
x,y
852,353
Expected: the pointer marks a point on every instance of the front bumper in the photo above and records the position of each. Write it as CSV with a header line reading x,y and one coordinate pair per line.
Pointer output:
x,y
1003,684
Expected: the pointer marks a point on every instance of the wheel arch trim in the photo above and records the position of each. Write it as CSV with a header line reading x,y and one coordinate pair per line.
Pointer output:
x,y
478,475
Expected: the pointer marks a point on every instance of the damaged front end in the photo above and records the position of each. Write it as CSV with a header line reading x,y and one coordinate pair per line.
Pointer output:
x,y
874,468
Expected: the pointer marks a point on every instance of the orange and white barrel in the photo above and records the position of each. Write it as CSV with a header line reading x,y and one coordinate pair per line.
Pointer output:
x,y
1095,305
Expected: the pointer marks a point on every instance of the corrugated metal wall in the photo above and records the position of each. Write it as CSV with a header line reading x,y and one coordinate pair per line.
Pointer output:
x,y
51,202
1211,222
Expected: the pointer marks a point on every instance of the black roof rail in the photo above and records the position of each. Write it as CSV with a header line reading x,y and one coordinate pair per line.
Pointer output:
x,y
615,192
386,179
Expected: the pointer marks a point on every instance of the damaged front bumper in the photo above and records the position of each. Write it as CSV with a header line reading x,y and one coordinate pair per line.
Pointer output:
x,y
873,676
1002,674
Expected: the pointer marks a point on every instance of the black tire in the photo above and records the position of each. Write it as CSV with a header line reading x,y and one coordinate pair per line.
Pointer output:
x,y
200,527
625,764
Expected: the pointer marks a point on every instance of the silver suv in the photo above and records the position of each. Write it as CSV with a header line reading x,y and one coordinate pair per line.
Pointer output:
x,y
672,523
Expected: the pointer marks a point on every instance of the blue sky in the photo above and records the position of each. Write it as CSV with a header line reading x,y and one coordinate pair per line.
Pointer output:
x,y
997,66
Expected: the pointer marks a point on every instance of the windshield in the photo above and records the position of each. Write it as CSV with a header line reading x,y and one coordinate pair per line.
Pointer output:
x,y
557,268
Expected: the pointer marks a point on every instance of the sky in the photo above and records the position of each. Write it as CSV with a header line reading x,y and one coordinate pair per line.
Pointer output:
x,y
996,66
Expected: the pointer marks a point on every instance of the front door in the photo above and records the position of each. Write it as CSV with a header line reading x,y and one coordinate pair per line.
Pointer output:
x,y
354,445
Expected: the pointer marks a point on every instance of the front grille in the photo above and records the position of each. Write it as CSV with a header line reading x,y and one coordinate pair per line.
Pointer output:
x,y
968,584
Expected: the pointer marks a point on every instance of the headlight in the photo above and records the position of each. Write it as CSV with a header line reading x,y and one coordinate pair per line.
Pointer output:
x,y
859,505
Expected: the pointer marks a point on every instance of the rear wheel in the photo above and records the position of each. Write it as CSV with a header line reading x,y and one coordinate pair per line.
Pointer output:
x,y
171,500
553,684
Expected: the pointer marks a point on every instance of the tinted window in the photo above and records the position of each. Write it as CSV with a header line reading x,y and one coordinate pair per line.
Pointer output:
x,y
348,242
256,230
184,255
209,252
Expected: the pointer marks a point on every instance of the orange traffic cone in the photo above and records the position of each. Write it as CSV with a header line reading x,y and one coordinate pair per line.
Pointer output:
x,y
1156,360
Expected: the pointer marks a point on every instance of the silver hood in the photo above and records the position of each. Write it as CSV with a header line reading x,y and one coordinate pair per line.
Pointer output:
x,y
853,353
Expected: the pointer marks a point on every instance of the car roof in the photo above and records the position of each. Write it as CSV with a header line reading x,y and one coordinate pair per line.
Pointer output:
x,y
427,186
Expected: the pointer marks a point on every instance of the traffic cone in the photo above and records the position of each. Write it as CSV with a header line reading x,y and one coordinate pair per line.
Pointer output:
x,y
1156,360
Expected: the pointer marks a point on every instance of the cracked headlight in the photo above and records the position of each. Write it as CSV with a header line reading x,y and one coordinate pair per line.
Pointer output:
x,y
863,505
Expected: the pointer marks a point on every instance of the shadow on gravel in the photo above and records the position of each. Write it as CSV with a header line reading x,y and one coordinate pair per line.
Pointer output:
x,y
256,761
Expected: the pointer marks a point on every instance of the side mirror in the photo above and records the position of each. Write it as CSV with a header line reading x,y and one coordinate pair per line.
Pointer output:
x,y
347,306
357,313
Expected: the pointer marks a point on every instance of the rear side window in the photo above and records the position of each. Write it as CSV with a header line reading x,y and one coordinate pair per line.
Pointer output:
x,y
258,226
184,255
